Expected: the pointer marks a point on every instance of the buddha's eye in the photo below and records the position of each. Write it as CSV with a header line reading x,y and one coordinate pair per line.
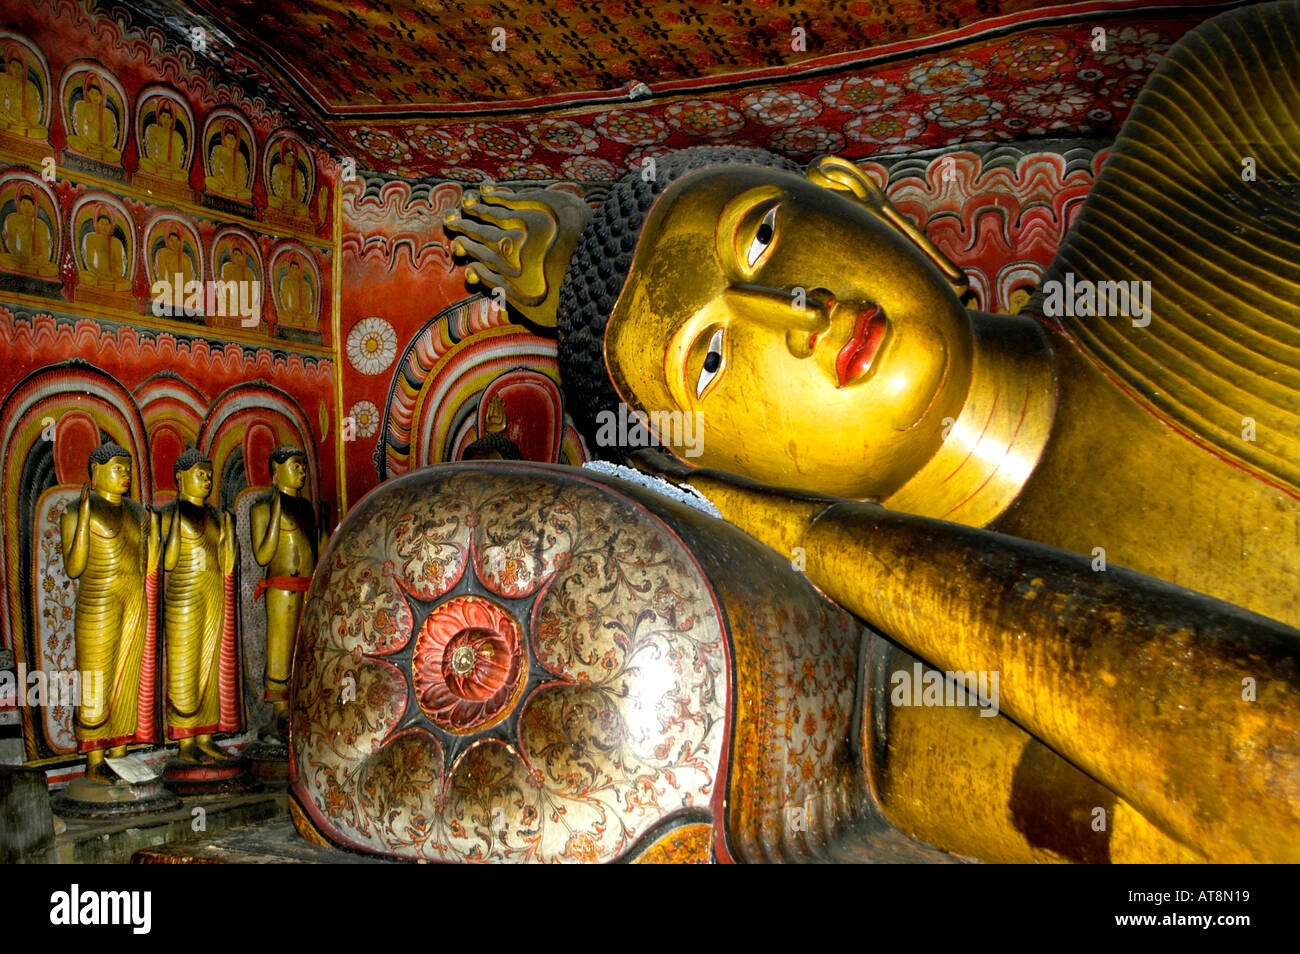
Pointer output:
x,y
712,364
762,238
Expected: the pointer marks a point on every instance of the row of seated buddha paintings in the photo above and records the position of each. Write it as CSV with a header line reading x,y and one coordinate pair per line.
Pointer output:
x,y
177,267
96,120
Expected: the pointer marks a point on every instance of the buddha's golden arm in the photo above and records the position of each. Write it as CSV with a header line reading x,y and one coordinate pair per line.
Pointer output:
x,y
227,544
76,536
153,541
171,533
1184,705
266,529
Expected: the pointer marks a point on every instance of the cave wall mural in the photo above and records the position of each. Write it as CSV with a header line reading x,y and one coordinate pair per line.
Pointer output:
x,y
167,279
245,248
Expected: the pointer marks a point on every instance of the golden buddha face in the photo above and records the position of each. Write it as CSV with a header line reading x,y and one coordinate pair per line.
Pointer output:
x,y
112,477
103,225
291,474
818,346
195,483
15,68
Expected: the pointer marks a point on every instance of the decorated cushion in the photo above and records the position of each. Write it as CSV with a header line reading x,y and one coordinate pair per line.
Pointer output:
x,y
521,662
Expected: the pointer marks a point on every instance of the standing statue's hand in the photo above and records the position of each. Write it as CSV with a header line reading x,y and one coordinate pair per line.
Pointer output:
x,y
153,547
172,544
83,505
226,545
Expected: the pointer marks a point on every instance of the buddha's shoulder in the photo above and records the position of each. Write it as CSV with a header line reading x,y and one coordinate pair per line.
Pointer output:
x,y
137,512
1188,247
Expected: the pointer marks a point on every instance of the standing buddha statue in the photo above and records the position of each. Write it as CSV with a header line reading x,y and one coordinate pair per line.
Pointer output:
x,y
199,614
111,547
286,542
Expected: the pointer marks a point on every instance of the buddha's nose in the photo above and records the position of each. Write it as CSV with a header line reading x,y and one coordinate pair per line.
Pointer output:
x,y
802,313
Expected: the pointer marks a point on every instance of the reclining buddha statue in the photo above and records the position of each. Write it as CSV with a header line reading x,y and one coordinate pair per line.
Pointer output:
x,y
1094,511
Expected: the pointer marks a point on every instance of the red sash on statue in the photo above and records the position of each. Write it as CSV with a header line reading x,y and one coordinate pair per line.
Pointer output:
x,y
290,584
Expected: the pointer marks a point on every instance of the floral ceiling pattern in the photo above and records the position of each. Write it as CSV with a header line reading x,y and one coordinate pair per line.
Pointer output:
x,y
583,91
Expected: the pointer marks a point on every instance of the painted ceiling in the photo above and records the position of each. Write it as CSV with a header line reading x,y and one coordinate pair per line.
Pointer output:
x,y
586,89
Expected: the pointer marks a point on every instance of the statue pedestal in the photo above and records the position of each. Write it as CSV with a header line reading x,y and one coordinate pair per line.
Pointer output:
x,y
223,777
78,162
212,200
163,188
299,335
32,150
286,220
42,285
86,798
269,760
104,296
236,323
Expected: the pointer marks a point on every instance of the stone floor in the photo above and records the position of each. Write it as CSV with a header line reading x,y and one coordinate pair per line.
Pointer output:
x,y
198,820
269,842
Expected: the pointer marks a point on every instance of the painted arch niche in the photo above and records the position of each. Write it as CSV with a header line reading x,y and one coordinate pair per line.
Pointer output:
x,y
469,385
289,178
31,235
236,257
26,98
296,292
245,424
165,139
48,426
173,256
104,248
96,119
229,162
173,412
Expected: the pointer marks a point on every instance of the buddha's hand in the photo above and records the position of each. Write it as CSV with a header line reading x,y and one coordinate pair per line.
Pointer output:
x,y
153,546
226,544
520,243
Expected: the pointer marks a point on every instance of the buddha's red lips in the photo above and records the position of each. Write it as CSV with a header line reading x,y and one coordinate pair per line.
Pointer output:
x,y
854,359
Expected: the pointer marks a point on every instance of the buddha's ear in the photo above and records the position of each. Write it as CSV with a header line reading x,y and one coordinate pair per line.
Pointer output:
x,y
840,175
832,172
